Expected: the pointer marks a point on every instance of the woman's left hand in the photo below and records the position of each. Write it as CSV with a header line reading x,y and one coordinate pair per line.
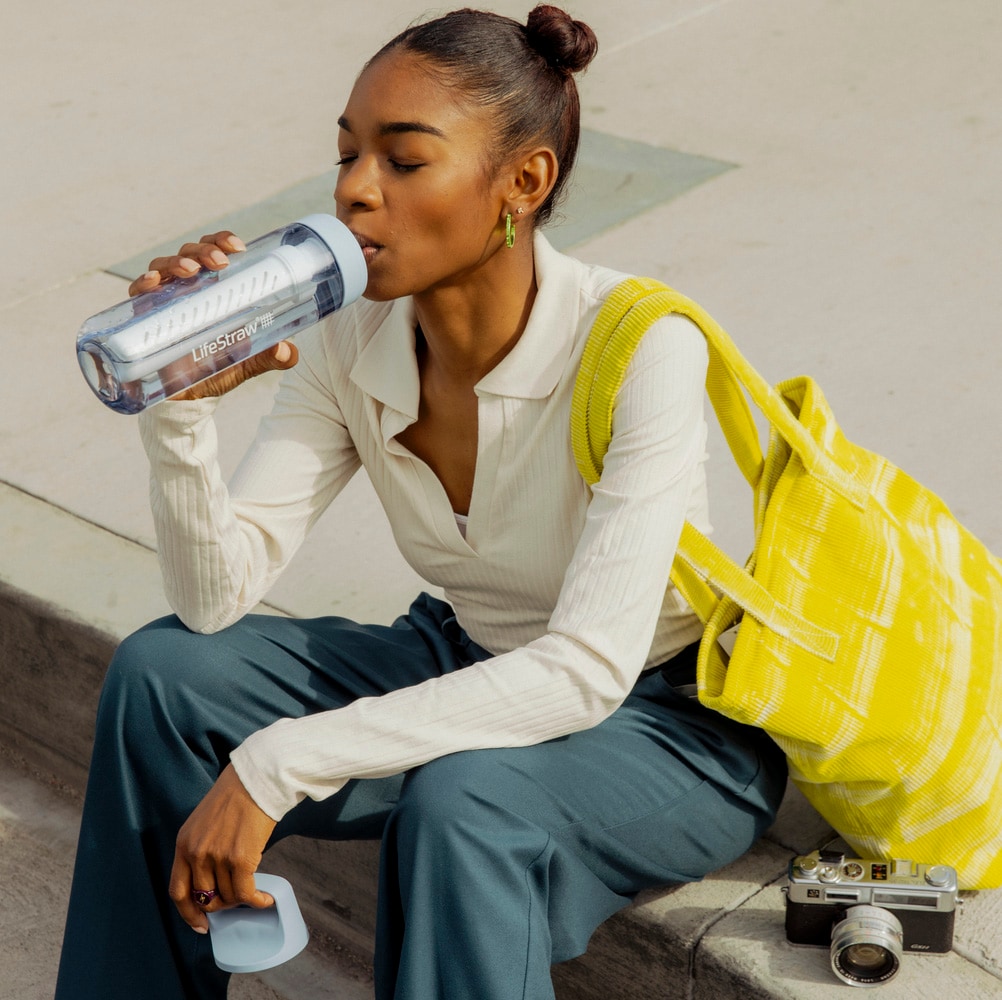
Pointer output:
x,y
219,848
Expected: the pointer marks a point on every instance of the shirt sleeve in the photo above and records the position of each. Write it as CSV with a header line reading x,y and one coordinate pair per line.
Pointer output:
x,y
600,632
222,547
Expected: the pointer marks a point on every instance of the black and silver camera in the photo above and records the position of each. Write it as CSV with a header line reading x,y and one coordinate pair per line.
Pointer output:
x,y
870,911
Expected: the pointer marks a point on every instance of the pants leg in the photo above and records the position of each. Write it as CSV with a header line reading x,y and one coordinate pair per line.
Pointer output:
x,y
174,705
497,863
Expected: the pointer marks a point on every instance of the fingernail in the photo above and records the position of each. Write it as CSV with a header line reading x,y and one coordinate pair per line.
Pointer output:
x,y
151,276
237,244
187,264
201,930
218,257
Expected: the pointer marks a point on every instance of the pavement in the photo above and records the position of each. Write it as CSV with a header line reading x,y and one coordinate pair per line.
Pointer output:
x,y
824,176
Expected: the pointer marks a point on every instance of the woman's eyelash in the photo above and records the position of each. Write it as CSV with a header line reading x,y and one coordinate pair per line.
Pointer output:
x,y
403,168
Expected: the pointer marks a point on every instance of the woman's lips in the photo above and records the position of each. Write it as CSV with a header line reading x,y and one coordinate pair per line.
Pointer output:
x,y
369,247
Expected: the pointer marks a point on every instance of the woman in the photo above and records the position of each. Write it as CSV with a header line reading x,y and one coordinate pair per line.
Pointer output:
x,y
522,750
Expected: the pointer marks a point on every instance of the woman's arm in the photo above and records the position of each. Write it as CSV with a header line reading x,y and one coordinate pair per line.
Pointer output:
x,y
219,554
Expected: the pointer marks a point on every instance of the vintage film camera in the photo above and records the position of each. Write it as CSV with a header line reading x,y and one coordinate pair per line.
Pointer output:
x,y
869,911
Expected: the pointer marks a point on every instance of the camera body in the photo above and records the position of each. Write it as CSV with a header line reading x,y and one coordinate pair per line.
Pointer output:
x,y
824,885
869,912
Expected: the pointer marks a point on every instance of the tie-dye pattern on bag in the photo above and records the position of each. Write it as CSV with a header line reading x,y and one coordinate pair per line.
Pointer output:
x,y
871,620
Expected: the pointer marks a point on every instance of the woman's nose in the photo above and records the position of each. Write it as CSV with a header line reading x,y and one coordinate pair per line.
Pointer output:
x,y
357,185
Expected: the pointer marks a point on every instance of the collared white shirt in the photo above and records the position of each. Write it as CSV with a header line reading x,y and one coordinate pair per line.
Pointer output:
x,y
565,585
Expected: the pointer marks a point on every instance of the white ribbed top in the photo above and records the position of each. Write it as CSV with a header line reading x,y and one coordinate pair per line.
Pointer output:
x,y
566,587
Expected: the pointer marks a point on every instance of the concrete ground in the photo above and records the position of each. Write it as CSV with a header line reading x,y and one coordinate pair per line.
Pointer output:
x,y
825,176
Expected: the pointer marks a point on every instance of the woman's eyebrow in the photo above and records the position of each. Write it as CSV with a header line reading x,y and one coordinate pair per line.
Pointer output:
x,y
397,128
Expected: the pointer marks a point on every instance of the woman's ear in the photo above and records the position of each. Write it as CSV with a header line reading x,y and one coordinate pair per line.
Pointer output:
x,y
533,180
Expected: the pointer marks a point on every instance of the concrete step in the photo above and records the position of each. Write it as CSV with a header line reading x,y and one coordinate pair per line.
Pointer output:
x,y
60,619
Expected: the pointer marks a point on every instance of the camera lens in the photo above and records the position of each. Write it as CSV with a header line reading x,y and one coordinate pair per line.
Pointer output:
x,y
866,946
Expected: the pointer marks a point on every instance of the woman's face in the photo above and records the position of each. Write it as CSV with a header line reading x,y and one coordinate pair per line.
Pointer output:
x,y
413,183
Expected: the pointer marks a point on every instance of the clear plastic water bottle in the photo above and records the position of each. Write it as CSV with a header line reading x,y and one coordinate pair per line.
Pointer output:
x,y
150,347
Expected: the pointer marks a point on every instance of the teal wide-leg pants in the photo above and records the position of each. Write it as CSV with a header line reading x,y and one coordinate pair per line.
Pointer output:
x,y
495,863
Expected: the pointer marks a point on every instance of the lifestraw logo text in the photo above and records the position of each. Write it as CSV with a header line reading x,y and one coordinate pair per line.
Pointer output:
x,y
227,340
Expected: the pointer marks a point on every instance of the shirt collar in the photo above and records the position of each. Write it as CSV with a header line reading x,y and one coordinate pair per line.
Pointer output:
x,y
386,367
534,365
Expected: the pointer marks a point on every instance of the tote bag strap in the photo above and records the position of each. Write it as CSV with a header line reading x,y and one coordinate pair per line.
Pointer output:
x,y
621,323
701,570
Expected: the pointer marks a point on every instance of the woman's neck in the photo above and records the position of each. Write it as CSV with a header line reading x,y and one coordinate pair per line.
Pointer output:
x,y
469,327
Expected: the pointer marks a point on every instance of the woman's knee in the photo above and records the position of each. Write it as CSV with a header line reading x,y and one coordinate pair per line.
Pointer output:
x,y
163,654
442,790
473,792
457,827
157,674
139,657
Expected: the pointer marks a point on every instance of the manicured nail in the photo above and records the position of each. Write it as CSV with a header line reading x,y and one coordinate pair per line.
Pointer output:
x,y
187,264
201,930
218,257
238,244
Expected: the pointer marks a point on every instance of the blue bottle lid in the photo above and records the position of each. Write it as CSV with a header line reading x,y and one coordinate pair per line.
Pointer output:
x,y
347,252
246,939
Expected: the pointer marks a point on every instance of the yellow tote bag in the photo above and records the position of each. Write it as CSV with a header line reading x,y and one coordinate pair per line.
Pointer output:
x,y
870,620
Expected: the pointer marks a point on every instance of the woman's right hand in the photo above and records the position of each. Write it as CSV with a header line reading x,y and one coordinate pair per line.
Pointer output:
x,y
212,253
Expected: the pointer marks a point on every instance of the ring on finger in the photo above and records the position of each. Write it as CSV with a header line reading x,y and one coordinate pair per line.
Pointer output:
x,y
203,897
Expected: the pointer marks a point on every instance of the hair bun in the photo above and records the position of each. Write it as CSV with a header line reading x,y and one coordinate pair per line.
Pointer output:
x,y
567,45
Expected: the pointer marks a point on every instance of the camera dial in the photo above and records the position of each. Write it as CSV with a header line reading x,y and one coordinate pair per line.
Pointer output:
x,y
939,875
828,873
808,865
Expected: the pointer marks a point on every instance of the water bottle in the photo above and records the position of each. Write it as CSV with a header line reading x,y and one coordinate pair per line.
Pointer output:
x,y
150,347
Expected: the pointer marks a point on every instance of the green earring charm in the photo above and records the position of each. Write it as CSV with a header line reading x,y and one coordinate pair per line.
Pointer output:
x,y
509,232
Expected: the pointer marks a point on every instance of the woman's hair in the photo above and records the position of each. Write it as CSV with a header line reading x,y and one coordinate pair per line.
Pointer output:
x,y
522,75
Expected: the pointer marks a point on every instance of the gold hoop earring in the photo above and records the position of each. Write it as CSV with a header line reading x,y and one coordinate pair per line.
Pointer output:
x,y
509,232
